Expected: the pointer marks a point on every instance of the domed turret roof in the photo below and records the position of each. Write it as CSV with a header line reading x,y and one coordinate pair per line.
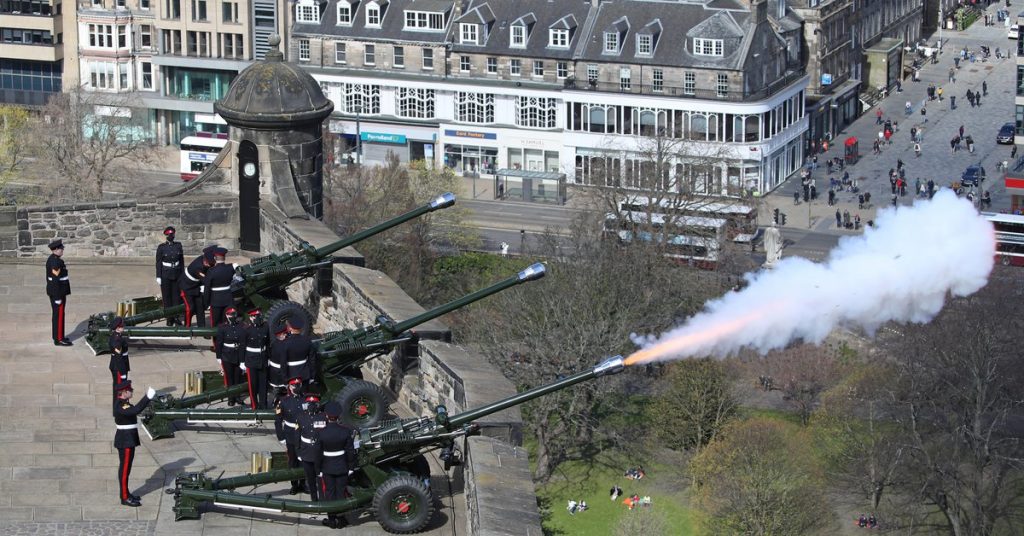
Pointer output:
x,y
273,94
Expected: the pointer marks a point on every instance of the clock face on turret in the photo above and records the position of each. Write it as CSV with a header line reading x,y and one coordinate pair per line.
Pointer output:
x,y
249,169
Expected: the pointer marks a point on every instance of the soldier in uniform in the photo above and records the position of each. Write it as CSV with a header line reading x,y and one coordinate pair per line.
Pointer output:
x,y
300,357
276,358
190,287
286,416
126,438
254,364
217,290
57,288
229,343
119,366
170,262
311,421
337,460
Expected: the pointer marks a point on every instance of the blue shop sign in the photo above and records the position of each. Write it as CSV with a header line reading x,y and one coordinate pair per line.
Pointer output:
x,y
471,134
826,79
377,137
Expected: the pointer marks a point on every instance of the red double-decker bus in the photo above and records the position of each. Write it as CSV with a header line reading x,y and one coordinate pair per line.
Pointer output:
x,y
1009,238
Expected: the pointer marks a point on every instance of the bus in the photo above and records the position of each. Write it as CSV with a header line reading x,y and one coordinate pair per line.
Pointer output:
x,y
742,218
1009,238
694,240
197,153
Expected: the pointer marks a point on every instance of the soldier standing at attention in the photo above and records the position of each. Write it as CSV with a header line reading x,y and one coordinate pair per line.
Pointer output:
x,y
119,366
254,364
217,291
127,436
337,460
286,416
299,355
276,358
57,288
190,287
170,262
310,422
229,350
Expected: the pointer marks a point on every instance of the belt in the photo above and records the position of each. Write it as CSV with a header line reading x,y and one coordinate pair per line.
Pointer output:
x,y
218,289
276,385
169,264
274,364
333,452
307,440
188,275
290,424
65,278
230,345
128,427
253,349
296,363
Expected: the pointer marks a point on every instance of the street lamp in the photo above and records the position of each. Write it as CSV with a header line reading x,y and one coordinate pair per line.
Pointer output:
x,y
359,136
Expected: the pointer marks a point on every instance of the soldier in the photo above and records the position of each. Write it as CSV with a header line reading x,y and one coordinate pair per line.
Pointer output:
x,y
190,287
257,342
217,291
276,377
286,415
229,342
170,262
337,460
311,421
299,354
119,366
57,288
126,438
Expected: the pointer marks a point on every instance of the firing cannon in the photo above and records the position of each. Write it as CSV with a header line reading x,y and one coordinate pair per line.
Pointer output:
x,y
339,356
390,468
262,283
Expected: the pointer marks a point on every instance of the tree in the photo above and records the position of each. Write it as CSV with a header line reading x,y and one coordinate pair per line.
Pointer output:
x,y
646,521
803,372
14,122
758,477
87,139
694,402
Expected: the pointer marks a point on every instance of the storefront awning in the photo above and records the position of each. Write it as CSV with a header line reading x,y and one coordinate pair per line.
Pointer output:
x,y
524,174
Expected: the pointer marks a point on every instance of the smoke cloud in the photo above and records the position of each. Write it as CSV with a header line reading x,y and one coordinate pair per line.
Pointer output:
x,y
902,270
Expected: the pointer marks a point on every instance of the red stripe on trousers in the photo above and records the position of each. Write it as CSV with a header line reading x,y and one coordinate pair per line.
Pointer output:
x,y
188,310
225,371
124,473
60,319
252,397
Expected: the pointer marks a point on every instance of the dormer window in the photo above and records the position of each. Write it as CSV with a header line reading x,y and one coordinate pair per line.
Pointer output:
x,y
423,20
344,14
644,44
307,12
470,34
373,15
518,36
611,43
558,38
707,47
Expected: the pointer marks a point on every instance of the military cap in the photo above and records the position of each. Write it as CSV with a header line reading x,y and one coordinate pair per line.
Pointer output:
x,y
123,386
57,244
230,311
168,230
118,322
333,409
297,322
295,381
208,250
311,392
220,252
254,312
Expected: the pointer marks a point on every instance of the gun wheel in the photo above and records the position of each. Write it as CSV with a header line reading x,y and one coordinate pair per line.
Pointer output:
x,y
281,311
403,505
363,403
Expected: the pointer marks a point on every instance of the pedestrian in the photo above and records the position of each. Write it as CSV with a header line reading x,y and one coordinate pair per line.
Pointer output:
x,y
875,147
190,287
952,102
913,133
888,136
970,98
977,98
217,291
287,408
984,87
839,219
924,112
337,460
58,287
831,197
254,364
119,365
1013,152
126,438
170,262
903,188
917,150
938,92
878,116
310,422
952,145
952,75
846,219
961,131
229,342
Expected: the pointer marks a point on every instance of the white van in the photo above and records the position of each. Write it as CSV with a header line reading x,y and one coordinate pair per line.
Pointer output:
x,y
1012,33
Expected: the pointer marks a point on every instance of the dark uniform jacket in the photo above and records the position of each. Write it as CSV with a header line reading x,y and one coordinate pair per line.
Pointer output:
x,y
257,341
170,260
127,434
277,360
300,359
119,364
310,424
58,285
193,277
286,419
337,449
218,285
230,342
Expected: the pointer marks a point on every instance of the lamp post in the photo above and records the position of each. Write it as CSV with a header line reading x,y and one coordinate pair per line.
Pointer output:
x,y
359,136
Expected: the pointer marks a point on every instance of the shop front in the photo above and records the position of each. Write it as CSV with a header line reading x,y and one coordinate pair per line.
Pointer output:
x,y
470,153
374,142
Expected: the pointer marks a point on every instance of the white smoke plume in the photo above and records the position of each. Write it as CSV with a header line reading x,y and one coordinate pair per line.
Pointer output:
x,y
902,269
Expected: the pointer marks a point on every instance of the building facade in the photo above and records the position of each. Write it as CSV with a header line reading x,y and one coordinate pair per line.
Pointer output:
x,y
883,28
32,50
1014,180
587,89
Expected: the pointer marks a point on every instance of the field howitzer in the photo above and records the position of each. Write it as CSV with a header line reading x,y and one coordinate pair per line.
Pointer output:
x,y
340,354
390,471
261,283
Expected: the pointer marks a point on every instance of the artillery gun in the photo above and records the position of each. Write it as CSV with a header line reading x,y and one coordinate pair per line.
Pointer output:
x,y
261,283
339,356
389,475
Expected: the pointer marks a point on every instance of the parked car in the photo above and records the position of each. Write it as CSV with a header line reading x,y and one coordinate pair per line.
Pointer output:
x,y
1012,32
1005,135
973,175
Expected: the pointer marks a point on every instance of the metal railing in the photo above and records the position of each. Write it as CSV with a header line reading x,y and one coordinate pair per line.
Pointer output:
x,y
682,92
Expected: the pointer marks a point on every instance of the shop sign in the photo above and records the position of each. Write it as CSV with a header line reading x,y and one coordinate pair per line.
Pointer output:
x,y
377,137
471,134
826,79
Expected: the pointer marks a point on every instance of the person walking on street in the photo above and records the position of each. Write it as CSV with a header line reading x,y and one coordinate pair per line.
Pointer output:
x,y
917,150
126,438
939,93
58,287
170,262
984,87
924,112
878,116
952,75
839,219
961,131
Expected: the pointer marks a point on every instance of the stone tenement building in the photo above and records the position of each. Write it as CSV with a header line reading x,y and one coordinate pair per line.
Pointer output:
x,y
540,88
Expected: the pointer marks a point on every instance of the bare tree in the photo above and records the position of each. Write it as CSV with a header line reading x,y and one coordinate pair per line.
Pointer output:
x,y
803,372
646,521
14,124
694,401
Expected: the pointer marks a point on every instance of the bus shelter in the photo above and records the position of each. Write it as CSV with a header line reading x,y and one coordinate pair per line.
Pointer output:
x,y
532,186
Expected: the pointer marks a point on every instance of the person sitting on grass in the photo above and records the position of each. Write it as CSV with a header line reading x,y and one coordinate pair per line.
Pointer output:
x,y
571,507
582,506
615,492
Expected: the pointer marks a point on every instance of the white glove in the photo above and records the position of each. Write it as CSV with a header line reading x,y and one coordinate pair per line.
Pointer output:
x,y
158,281
202,288
242,366
150,393
350,471
321,475
282,441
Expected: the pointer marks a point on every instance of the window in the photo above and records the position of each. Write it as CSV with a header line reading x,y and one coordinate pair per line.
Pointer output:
x,y
611,43
101,75
558,38
147,75
644,44
421,20
146,36
369,54
625,81
121,4
339,53
229,12
658,80
415,103
464,64
562,69
707,47
373,15
231,46
538,68
535,112
361,98
399,59
122,75
344,14
428,59
592,73
101,36
518,36
689,83
144,4
474,107
122,37
308,13
199,10
515,67
470,34
723,84
172,9
303,49
492,65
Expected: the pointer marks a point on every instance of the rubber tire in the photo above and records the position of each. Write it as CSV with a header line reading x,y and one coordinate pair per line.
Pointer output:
x,y
403,490
282,311
352,394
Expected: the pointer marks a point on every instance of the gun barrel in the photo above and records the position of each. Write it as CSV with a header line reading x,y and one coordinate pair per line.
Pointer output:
x,y
167,332
215,415
442,201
